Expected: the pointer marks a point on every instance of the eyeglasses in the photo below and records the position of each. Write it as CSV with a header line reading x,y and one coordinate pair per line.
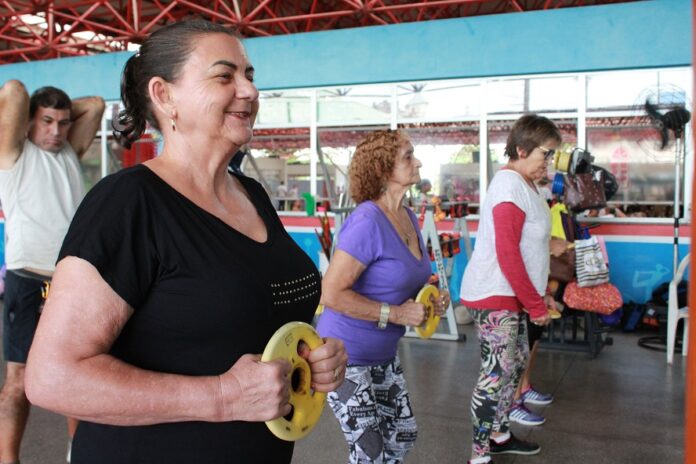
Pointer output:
x,y
548,153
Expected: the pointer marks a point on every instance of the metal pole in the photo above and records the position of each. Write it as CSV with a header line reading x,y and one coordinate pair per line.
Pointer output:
x,y
677,196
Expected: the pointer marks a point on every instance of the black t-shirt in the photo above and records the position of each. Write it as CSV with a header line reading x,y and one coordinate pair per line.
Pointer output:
x,y
203,295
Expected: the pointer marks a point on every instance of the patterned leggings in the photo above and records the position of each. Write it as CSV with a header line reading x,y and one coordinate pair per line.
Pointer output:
x,y
504,352
375,413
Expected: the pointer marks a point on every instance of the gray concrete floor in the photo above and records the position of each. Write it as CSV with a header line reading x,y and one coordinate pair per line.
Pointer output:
x,y
625,406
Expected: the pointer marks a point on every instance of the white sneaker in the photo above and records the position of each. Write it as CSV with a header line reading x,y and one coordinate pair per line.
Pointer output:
x,y
462,316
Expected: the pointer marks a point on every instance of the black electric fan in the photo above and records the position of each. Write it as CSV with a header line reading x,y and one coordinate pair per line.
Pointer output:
x,y
672,121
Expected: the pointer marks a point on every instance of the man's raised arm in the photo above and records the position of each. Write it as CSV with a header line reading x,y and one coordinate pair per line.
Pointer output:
x,y
14,120
86,115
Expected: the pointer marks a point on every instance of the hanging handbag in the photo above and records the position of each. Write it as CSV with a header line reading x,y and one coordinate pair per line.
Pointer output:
x,y
570,227
602,299
609,182
585,191
562,268
590,267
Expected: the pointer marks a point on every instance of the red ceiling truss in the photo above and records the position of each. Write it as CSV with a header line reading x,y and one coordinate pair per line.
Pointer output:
x,y
33,30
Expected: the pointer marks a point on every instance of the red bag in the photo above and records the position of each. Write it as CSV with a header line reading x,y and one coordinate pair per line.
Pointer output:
x,y
584,191
602,299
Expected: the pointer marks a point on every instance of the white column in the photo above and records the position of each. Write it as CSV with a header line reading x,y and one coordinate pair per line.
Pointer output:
x,y
313,156
104,148
582,110
394,108
483,143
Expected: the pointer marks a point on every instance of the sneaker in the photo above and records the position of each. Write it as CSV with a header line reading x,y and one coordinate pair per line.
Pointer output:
x,y
520,414
531,396
515,446
462,316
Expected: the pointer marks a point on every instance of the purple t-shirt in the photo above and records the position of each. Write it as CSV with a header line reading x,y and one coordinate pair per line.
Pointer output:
x,y
392,275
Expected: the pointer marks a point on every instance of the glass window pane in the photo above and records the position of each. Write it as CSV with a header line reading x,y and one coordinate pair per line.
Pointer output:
x,y
674,86
553,94
438,101
282,157
351,105
286,107
629,148
619,90
450,156
337,146
506,96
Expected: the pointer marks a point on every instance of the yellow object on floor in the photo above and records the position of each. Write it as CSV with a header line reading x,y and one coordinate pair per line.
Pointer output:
x,y
553,313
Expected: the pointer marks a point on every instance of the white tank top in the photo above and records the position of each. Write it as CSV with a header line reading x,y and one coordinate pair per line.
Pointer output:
x,y
483,277
39,196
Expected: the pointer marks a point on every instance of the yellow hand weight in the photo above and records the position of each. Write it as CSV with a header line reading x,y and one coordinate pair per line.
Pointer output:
x,y
430,325
307,405
561,161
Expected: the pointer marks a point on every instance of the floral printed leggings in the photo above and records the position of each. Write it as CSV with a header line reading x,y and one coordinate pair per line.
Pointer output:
x,y
504,352
375,413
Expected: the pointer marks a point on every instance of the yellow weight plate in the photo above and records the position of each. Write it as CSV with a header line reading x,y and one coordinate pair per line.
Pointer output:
x,y
561,161
307,405
430,325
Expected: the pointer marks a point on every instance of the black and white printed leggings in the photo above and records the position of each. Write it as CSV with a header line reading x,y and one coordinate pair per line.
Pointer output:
x,y
375,413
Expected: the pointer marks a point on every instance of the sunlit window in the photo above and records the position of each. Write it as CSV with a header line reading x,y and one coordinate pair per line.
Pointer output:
x,y
284,108
438,101
443,119
351,105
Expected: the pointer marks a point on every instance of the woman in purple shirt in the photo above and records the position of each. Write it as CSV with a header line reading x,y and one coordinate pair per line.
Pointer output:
x,y
379,266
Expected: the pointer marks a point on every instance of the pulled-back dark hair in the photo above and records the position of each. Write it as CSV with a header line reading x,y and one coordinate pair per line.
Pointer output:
x,y
161,55
48,97
529,132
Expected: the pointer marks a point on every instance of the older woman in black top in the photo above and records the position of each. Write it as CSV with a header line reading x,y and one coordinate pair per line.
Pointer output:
x,y
172,273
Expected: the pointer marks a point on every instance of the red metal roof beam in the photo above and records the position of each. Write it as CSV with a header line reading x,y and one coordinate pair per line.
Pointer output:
x,y
312,10
327,14
434,4
280,23
95,25
79,20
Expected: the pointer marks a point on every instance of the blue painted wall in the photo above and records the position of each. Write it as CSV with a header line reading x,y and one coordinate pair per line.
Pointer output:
x,y
643,34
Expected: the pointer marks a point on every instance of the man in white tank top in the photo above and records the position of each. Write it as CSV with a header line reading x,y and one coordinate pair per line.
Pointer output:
x,y
42,139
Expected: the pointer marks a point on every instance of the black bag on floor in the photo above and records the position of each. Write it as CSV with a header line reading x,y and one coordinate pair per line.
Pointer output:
x,y
632,315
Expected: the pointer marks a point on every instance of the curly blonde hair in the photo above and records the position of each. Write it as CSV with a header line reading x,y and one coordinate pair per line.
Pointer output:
x,y
373,163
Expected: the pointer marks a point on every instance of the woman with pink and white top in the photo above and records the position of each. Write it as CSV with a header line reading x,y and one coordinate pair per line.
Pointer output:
x,y
507,274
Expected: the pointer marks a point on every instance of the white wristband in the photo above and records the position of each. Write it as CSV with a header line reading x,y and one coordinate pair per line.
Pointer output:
x,y
384,310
